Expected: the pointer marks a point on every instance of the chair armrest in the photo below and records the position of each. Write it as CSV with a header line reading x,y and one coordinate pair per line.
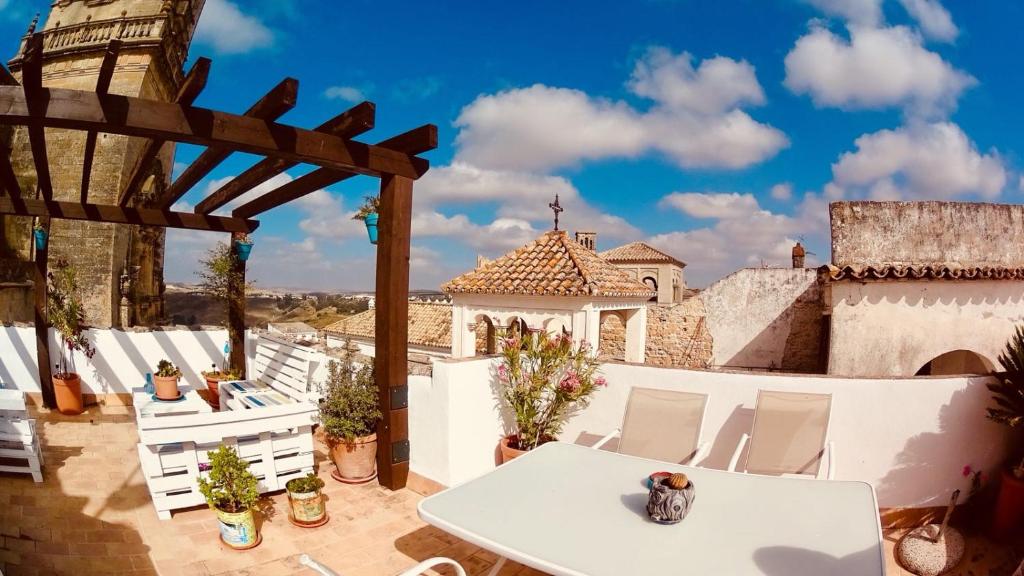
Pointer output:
x,y
428,564
606,439
739,450
315,566
700,454
830,459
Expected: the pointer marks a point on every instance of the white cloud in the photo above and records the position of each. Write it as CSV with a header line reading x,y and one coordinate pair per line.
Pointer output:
x,y
934,19
345,93
711,205
327,217
875,68
782,191
920,161
860,12
229,30
695,121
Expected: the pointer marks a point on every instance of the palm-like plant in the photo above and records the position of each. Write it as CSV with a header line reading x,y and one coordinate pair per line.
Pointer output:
x,y
66,314
1008,393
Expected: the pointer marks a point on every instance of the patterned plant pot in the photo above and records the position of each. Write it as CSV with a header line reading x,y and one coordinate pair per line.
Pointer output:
x,y
238,529
308,508
666,505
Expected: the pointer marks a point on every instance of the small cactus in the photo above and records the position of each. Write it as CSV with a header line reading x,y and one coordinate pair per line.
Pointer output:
x,y
677,481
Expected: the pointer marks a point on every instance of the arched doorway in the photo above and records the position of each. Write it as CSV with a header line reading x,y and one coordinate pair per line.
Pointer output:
x,y
612,336
956,362
486,335
652,283
516,327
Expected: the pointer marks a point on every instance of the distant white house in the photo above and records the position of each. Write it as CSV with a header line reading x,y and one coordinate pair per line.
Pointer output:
x,y
297,331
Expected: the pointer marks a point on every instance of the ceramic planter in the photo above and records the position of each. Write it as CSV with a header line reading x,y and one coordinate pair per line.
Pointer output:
x,y
68,392
667,505
1009,514
213,385
40,236
307,508
238,529
508,452
371,227
166,387
355,462
243,249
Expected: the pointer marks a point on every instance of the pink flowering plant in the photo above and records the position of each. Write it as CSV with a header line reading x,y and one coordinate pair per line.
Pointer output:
x,y
545,379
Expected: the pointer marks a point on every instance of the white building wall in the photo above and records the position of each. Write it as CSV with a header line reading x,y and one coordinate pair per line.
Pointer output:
x,y
892,328
909,438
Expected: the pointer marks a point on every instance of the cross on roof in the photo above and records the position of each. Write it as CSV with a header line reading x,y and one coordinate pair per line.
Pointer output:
x,y
556,208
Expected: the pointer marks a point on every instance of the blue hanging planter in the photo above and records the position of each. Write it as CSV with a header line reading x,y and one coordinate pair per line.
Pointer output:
x,y
371,227
243,249
40,236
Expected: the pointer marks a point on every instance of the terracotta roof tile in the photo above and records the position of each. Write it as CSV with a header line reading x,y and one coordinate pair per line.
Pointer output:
x,y
639,252
430,324
551,265
920,271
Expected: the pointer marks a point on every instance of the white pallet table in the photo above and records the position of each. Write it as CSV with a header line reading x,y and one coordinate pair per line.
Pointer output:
x,y
18,438
146,406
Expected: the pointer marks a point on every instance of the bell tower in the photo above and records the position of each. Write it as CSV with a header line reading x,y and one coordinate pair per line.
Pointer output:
x,y
121,266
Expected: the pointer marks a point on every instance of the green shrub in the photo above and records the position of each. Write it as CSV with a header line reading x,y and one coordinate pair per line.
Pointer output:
x,y
349,408
1008,393
166,369
230,487
308,483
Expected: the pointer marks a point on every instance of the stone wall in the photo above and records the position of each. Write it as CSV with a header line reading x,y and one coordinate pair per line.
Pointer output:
x,y
676,335
954,233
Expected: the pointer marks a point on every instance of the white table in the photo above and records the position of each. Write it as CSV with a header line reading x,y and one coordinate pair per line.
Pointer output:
x,y
145,406
574,511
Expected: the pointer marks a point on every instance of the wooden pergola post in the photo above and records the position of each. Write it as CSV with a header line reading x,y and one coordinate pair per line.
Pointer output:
x,y
42,324
236,309
392,330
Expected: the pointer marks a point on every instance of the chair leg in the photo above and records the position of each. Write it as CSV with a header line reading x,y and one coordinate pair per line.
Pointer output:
x,y
37,477
497,566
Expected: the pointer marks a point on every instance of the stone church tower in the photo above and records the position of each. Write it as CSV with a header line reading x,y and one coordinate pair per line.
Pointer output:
x,y
120,267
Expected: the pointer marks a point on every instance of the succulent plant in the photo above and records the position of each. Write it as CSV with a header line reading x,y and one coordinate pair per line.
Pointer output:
x,y
677,481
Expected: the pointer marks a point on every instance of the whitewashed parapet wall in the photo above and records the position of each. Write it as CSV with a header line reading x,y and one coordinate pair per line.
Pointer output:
x,y
910,438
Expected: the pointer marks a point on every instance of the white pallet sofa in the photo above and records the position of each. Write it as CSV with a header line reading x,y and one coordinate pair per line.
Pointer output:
x,y
19,443
270,424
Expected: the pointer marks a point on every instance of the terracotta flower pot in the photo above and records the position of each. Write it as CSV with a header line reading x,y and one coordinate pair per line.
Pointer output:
x,y
508,452
355,461
166,387
212,384
68,392
238,529
1009,514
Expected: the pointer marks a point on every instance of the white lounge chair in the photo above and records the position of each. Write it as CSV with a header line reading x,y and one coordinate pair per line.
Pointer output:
x,y
662,425
789,436
414,571
18,439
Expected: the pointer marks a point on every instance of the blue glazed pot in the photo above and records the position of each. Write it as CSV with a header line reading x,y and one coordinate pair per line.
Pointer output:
x,y
371,227
40,238
243,249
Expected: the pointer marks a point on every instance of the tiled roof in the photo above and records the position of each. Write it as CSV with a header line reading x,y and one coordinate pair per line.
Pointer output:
x,y
920,271
552,265
292,327
639,252
430,324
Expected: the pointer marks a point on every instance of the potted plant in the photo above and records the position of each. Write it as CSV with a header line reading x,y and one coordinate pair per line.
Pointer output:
x,y
166,380
349,414
213,379
369,214
544,379
243,246
1008,394
232,491
66,315
306,501
40,234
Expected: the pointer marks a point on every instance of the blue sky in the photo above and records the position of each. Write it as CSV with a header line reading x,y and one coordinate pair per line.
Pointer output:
x,y
717,131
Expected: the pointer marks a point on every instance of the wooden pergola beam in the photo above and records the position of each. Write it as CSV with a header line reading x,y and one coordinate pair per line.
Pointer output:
x,y
32,82
353,122
271,106
189,90
6,78
102,86
121,215
414,141
117,114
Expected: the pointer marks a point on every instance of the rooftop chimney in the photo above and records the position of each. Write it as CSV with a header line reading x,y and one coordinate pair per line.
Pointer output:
x,y
588,239
798,256
482,261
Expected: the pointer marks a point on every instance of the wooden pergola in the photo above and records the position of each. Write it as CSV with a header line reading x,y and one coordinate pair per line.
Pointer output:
x,y
329,147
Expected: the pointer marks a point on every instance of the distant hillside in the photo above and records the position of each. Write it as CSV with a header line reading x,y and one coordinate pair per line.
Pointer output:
x,y
319,310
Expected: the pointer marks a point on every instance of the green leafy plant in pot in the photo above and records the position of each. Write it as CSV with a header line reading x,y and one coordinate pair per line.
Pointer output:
x,y
543,379
306,501
165,380
349,413
66,315
232,491
1008,394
